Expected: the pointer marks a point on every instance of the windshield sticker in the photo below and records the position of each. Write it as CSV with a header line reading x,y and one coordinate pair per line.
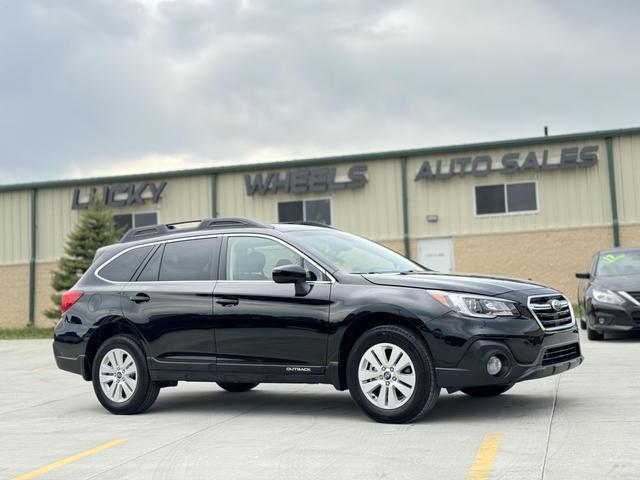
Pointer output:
x,y
612,258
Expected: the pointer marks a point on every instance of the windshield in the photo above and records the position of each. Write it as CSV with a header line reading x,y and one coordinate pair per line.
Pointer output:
x,y
623,263
353,254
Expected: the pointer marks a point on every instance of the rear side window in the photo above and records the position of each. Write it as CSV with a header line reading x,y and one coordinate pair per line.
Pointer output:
x,y
151,270
122,268
190,260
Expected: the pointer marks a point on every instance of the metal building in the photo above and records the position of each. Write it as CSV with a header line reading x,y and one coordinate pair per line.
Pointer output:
x,y
533,208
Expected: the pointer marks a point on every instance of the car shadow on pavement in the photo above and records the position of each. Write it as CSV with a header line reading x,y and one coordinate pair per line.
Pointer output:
x,y
333,404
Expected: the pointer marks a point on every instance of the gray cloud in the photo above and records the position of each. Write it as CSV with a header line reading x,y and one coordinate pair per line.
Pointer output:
x,y
99,86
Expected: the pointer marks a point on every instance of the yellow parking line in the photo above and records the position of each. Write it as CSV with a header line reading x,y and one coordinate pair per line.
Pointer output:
x,y
46,367
72,458
485,456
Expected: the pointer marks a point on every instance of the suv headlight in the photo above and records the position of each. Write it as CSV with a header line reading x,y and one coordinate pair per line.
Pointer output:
x,y
476,305
606,296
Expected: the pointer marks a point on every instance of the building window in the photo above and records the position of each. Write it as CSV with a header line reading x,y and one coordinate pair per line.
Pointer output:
x,y
506,198
317,210
125,221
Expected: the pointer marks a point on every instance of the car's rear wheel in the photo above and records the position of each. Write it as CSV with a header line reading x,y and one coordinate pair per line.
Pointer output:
x,y
120,377
391,375
486,390
237,387
594,335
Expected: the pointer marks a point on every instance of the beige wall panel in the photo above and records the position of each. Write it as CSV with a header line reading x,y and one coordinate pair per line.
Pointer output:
x,y
566,199
15,227
44,271
374,211
15,304
550,257
626,155
185,198
630,235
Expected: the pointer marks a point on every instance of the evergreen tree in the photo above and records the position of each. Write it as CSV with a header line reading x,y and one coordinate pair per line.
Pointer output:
x,y
95,229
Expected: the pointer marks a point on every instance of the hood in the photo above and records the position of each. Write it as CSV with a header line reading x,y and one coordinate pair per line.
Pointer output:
x,y
625,283
465,283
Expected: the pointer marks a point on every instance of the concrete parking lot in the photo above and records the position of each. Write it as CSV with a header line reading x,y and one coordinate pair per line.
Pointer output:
x,y
584,424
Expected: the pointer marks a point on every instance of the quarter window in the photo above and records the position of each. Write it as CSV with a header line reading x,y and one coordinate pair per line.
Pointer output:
x,y
125,221
318,210
254,258
189,260
121,269
506,198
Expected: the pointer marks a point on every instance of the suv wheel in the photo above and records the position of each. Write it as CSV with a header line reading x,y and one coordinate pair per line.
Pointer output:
x,y
237,387
120,377
583,324
391,375
486,390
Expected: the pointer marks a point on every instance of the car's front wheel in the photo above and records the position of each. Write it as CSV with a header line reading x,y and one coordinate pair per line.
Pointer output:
x,y
120,377
391,375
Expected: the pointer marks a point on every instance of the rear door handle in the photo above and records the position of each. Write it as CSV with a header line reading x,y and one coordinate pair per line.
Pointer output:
x,y
140,298
228,301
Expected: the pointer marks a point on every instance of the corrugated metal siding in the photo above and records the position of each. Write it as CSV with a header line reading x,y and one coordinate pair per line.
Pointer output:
x,y
185,198
15,220
626,155
573,198
374,211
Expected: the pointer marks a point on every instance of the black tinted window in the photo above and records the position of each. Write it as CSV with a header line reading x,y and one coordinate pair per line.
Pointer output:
x,y
122,268
189,260
290,212
521,197
151,270
490,199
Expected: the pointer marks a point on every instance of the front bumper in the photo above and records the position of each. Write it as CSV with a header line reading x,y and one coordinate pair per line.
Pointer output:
x,y
609,318
558,352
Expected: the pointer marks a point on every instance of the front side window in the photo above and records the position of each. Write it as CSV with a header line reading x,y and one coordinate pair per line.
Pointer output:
x,y
254,258
353,254
506,198
317,210
121,269
189,260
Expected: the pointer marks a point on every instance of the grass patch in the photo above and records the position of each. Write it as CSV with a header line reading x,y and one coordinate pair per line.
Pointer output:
x,y
26,332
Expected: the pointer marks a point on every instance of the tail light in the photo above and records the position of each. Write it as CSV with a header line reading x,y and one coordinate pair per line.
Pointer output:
x,y
69,298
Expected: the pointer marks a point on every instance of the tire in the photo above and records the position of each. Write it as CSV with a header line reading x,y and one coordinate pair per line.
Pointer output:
x,y
135,392
486,390
594,335
583,324
399,403
237,387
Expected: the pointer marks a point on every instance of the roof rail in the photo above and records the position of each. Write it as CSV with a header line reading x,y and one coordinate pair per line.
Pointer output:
x,y
151,231
311,224
209,223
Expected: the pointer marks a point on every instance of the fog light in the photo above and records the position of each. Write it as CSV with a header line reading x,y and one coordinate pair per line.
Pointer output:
x,y
601,321
494,365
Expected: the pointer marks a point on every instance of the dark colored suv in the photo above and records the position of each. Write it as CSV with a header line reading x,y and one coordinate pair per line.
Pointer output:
x,y
239,302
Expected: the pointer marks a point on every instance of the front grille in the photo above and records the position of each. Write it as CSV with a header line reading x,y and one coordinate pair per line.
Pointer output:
x,y
552,311
634,295
561,354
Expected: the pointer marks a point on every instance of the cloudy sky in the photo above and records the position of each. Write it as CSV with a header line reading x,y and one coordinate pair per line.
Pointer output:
x,y
103,87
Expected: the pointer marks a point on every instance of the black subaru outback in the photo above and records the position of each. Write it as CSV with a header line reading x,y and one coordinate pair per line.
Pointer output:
x,y
239,302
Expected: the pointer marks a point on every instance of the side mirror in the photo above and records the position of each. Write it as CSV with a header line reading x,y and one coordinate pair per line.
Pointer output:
x,y
292,274
583,275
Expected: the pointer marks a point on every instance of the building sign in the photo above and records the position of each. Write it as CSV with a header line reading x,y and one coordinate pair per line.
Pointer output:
x,y
303,181
509,163
120,195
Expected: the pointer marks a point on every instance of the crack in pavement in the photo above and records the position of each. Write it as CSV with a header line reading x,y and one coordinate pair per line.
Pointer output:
x,y
553,411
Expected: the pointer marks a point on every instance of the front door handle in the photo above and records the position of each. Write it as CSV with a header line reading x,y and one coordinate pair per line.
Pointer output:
x,y
140,298
228,301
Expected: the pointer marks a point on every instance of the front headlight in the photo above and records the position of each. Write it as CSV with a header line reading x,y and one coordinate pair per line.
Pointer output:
x,y
606,296
476,305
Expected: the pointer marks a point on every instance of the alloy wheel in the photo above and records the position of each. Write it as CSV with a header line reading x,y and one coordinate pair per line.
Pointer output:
x,y
118,375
